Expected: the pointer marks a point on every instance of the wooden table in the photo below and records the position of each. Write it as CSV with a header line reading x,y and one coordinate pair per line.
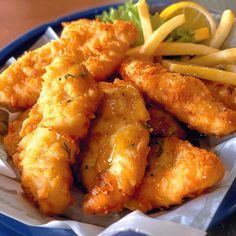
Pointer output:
x,y
19,16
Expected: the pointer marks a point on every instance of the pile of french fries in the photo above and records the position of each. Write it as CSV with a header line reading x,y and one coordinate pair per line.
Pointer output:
x,y
203,58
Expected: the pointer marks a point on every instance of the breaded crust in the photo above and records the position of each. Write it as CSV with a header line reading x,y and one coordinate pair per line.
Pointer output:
x,y
100,46
12,139
114,154
186,97
180,171
50,135
223,93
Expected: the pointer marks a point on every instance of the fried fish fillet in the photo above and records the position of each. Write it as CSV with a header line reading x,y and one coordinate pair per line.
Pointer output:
x,y
114,154
163,124
184,96
100,46
180,171
104,44
223,93
44,158
20,83
12,139
68,99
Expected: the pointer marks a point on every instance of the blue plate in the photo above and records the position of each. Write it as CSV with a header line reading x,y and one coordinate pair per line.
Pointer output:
x,y
9,226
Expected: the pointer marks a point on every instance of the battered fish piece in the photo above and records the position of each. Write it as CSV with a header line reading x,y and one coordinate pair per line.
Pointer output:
x,y
44,158
180,171
12,139
114,154
100,46
67,102
184,96
21,82
223,93
68,99
105,44
163,124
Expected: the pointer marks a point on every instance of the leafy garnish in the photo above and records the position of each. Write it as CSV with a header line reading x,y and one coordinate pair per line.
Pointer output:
x,y
129,12
67,149
132,145
83,73
70,75
159,144
147,127
180,35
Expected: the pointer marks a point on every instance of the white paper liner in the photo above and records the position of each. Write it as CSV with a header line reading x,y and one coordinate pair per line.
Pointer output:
x,y
191,218
8,63
49,35
139,222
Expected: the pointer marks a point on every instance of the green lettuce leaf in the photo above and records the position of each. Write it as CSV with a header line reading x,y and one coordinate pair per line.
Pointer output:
x,y
180,35
129,12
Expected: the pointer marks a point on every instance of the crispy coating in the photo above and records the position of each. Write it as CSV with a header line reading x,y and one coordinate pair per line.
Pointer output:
x,y
68,99
100,46
180,171
12,139
163,124
114,154
107,43
44,158
20,83
184,96
223,93
50,135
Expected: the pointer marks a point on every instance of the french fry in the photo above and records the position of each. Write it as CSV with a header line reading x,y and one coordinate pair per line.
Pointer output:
x,y
181,49
160,34
207,73
176,49
133,51
145,19
223,30
216,58
200,34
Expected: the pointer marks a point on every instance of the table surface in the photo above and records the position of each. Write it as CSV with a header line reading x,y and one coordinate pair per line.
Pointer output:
x,y
19,16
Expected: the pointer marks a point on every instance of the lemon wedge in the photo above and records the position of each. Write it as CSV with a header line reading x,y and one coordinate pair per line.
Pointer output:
x,y
202,72
196,16
200,34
